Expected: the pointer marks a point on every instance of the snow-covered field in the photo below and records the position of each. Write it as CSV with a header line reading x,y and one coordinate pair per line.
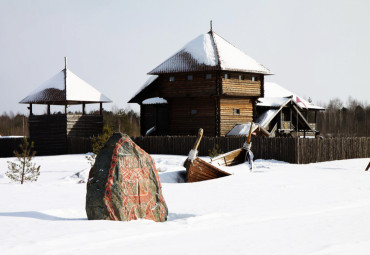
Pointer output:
x,y
279,208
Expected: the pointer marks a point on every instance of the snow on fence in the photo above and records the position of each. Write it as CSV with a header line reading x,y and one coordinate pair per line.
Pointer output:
x,y
290,150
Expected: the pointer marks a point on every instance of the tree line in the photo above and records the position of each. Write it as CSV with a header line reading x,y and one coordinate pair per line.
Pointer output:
x,y
350,119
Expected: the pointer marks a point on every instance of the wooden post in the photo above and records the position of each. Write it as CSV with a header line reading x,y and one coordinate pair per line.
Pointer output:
x,y
297,139
368,166
30,108
65,109
101,108
48,109
83,108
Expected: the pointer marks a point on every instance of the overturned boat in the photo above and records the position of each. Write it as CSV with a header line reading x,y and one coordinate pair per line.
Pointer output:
x,y
198,169
237,156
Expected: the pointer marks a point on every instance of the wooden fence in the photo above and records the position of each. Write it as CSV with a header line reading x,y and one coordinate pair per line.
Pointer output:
x,y
291,150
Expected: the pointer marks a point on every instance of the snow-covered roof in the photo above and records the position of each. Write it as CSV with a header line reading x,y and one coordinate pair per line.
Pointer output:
x,y
65,87
210,52
243,129
265,118
155,100
149,81
276,96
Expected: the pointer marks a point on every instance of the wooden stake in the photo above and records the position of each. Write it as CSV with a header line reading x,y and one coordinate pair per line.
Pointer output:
x,y
368,166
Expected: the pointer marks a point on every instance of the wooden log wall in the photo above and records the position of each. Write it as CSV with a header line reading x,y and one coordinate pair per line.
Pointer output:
x,y
245,87
147,117
8,145
228,119
84,125
48,132
183,122
181,87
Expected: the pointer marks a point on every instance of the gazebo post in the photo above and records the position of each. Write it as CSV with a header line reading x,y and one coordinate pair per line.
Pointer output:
x,y
83,109
48,109
101,108
65,109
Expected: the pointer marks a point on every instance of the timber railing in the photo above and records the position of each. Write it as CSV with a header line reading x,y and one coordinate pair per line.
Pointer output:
x,y
292,150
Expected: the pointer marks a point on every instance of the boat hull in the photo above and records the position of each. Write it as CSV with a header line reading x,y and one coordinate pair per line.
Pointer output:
x,y
199,170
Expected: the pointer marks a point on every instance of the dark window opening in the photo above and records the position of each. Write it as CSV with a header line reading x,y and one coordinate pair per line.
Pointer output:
x,y
241,77
236,111
189,77
227,76
208,76
172,78
193,112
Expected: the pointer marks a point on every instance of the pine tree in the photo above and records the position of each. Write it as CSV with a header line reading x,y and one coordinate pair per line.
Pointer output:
x,y
23,169
98,143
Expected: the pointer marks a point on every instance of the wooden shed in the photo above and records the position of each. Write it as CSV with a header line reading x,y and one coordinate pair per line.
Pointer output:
x,y
209,83
55,133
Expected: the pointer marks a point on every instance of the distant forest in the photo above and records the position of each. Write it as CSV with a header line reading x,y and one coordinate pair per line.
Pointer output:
x,y
350,119
344,120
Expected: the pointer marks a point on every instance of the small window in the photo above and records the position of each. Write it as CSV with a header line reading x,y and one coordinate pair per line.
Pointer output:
x,y
189,77
193,112
172,78
236,111
253,78
241,77
208,76
227,76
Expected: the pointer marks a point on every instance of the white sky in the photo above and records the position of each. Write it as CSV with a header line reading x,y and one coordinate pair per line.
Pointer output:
x,y
317,49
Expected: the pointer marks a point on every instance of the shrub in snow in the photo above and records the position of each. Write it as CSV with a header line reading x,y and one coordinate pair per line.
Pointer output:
x,y
23,169
215,151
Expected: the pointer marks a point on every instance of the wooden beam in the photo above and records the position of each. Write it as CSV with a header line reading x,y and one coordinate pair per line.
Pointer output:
x,y
303,118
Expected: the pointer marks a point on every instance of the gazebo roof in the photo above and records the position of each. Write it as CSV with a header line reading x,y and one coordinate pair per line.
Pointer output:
x,y
210,52
65,88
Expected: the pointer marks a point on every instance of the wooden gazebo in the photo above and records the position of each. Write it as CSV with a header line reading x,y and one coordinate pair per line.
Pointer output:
x,y
54,133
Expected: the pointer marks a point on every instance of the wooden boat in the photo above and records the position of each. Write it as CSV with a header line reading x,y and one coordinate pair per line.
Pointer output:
x,y
237,156
198,169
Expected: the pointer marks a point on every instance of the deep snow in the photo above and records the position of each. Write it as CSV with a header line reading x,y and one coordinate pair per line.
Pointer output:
x,y
279,208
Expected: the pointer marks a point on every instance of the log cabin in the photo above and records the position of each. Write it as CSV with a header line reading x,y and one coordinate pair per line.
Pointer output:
x,y
208,84
282,113
53,134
